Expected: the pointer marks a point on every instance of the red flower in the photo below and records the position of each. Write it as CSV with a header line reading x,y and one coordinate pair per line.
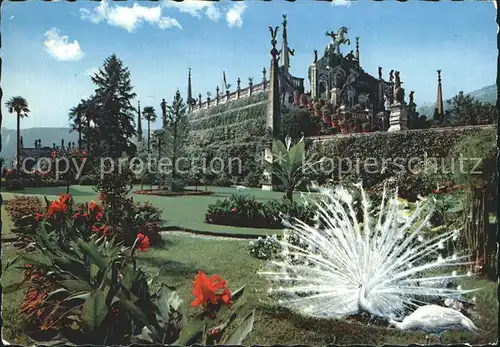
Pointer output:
x,y
97,229
210,290
92,205
213,332
39,216
102,197
143,244
57,207
234,209
53,154
107,230
84,153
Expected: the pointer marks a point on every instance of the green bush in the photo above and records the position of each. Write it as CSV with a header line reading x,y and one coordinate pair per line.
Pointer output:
x,y
265,248
148,210
13,184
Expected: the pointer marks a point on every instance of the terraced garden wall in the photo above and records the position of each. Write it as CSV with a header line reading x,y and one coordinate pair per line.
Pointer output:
x,y
231,139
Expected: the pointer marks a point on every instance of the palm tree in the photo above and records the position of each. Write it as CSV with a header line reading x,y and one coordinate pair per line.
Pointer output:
x,y
19,105
76,115
149,114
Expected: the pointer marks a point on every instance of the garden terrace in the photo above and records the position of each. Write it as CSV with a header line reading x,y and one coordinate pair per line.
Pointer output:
x,y
232,133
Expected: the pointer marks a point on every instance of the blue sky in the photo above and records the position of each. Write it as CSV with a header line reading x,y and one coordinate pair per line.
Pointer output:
x,y
49,49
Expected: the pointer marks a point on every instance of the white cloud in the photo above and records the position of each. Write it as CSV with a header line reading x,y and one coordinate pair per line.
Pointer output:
x,y
60,48
128,18
233,15
196,8
346,3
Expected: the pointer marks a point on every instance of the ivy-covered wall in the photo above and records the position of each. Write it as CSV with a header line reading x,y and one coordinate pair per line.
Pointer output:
x,y
233,133
414,160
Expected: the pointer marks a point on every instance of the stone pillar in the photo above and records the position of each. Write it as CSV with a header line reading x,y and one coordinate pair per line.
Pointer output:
x,y
412,115
264,79
335,97
217,95
313,80
250,86
398,119
238,89
199,101
273,118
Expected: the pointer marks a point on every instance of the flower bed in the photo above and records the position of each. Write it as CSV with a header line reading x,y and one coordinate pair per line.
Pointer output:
x,y
162,192
244,211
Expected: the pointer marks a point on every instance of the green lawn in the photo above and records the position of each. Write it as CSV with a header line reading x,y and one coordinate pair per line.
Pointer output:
x,y
180,211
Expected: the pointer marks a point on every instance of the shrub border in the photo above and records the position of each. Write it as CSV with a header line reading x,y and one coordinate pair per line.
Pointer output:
x,y
163,192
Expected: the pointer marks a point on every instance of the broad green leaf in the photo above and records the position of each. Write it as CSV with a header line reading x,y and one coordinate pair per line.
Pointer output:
x,y
15,286
37,259
61,292
242,331
94,270
76,285
128,277
191,333
94,310
237,294
77,296
24,230
91,251
139,314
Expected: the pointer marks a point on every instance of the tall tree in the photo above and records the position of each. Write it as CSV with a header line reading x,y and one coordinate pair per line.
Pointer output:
x,y
149,114
19,106
114,113
177,127
76,118
465,110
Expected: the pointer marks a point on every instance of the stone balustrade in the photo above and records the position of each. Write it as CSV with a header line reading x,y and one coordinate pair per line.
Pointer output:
x,y
230,96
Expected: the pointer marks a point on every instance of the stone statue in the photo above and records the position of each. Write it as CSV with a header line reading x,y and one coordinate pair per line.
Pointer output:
x,y
274,32
62,144
399,92
411,96
339,39
54,146
380,72
333,36
391,76
315,56
397,83
36,143
350,56
21,142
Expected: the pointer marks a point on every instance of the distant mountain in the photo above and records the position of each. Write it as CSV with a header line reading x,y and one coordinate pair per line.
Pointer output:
x,y
47,135
486,94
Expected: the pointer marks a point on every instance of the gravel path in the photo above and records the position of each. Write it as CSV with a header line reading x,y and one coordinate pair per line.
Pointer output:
x,y
199,236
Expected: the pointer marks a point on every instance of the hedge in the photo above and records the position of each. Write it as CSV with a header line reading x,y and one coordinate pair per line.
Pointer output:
x,y
397,150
